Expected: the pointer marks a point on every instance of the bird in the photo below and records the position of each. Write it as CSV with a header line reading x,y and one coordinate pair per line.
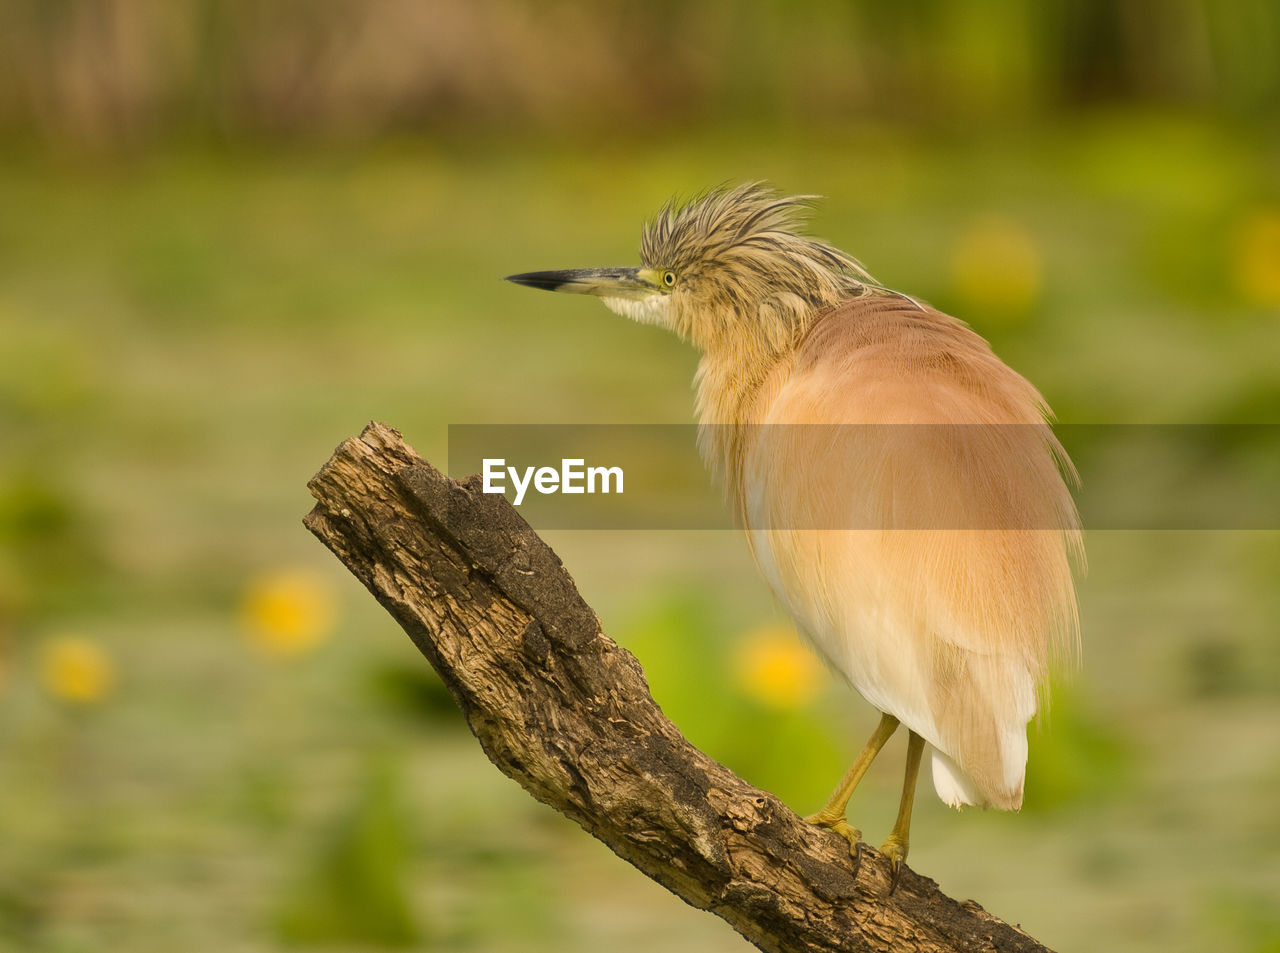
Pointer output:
x,y
900,487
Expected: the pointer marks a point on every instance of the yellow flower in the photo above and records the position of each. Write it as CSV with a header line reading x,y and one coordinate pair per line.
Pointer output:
x,y
76,670
287,612
773,667
1256,257
996,270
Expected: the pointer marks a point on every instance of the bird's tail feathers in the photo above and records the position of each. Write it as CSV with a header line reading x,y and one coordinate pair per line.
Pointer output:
x,y
956,789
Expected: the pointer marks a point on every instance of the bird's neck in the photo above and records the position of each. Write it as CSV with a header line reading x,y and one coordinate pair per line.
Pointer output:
x,y
736,382
742,351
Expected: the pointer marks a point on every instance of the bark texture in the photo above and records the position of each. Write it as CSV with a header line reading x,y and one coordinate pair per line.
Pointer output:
x,y
567,713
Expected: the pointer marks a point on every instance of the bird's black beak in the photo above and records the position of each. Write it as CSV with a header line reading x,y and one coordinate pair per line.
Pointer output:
x,y
602,282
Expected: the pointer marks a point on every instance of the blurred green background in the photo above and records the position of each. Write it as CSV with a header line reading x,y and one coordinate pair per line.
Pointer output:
x,y
231,233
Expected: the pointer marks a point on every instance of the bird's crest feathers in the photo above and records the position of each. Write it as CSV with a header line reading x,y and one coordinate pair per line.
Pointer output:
x,y
740,224
741,251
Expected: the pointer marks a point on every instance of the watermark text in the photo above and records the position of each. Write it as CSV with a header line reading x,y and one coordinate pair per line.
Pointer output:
x,y
573,476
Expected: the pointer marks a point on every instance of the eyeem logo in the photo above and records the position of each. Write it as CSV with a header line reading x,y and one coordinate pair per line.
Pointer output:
x,y
574,476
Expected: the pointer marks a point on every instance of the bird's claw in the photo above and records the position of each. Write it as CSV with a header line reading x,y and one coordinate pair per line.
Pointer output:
x,y
857,858
846,830
896,851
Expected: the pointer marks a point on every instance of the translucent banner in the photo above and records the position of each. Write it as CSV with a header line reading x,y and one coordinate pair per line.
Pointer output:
x,y
923,476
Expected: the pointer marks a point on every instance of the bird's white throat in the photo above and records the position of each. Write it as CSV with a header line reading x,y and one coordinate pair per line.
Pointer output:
x,y
649,310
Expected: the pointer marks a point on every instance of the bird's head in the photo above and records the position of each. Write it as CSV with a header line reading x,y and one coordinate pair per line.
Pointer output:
x,y
729,264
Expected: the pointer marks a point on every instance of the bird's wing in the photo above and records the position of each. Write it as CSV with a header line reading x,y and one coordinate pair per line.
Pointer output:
x,y
905,499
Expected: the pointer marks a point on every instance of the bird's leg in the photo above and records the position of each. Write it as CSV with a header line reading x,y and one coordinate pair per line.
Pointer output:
x,y
832,814
895,848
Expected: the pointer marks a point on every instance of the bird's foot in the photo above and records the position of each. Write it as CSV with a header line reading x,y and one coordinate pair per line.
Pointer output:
x,y
837,823
895,848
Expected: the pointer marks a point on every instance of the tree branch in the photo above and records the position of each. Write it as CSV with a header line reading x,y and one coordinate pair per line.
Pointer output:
x,y
566,712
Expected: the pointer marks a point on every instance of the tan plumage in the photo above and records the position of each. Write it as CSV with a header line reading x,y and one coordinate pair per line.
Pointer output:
x,y
900,487
936,615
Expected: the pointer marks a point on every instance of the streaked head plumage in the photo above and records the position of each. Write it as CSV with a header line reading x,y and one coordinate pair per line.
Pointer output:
x,y
750,234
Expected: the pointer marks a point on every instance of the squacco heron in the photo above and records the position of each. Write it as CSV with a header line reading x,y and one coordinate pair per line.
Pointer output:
x,y
922,535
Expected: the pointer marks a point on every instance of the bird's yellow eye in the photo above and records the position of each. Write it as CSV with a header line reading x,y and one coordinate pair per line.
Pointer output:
x,y
669,278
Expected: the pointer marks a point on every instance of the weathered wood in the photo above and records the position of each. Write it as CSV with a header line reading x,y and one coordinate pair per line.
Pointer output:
x,y
566,712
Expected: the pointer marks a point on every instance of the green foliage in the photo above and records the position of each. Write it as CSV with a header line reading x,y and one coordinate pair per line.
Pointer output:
x,y
688,655
47,543
1250,918
1076,756
414,691
22,915
354,890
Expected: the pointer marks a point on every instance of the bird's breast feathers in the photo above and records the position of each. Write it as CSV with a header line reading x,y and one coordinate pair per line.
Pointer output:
x,y
904,498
